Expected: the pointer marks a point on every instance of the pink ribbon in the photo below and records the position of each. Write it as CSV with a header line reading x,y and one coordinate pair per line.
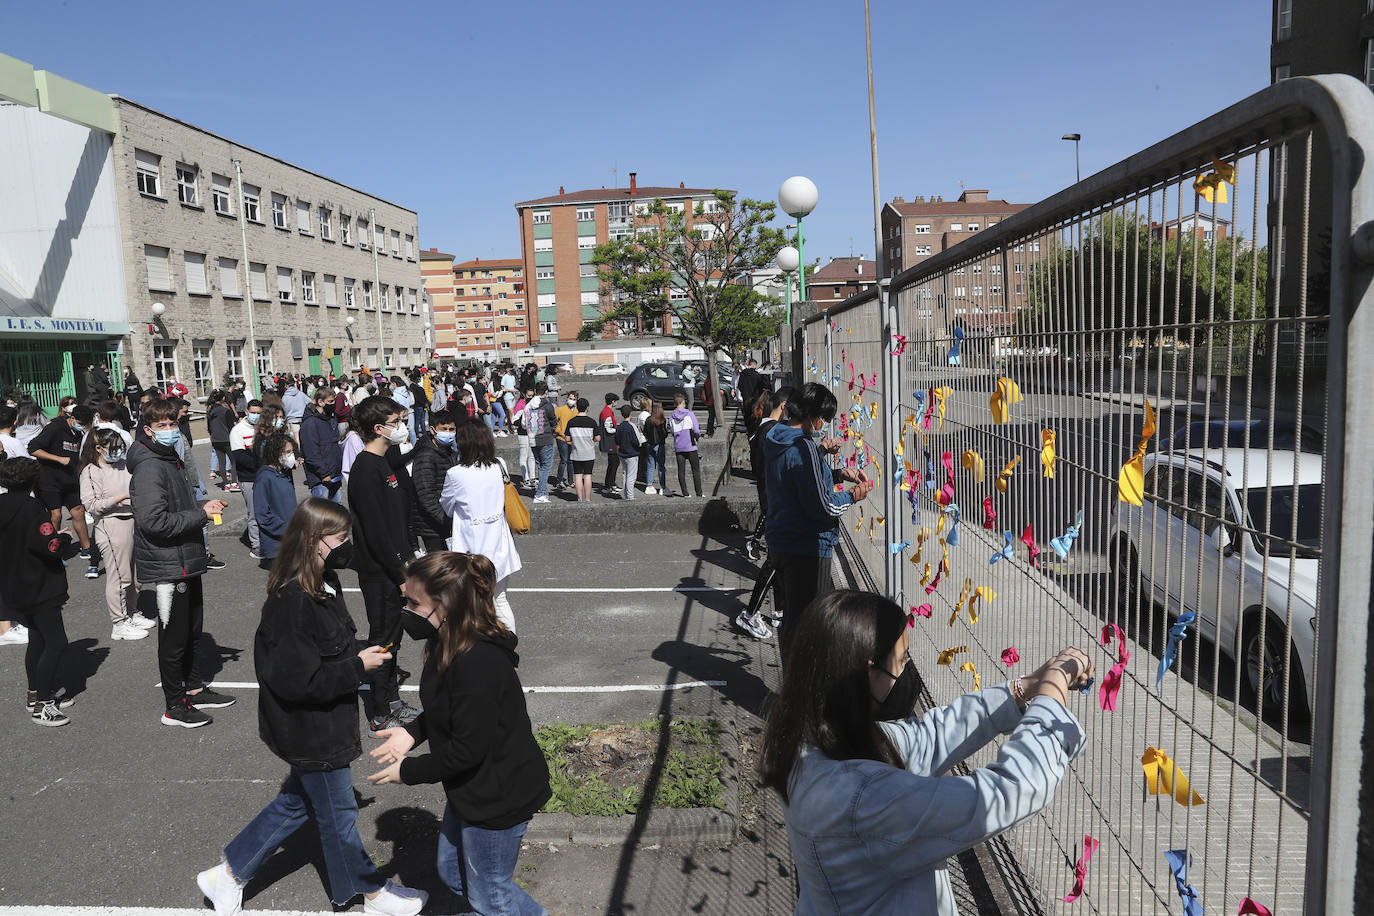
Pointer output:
x,y
1010,656
1080,870
1111,681
1249,907
989,514
1028,538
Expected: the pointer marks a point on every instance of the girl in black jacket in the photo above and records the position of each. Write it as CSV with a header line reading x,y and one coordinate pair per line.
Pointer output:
x,y
481,745
309,668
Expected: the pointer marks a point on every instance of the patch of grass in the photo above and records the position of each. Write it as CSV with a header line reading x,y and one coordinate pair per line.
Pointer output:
x,y
690,777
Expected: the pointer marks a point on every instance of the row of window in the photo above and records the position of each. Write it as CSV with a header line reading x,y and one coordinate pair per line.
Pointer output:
x,y
620,210
485,275
505,325
204,378
188,177
313,289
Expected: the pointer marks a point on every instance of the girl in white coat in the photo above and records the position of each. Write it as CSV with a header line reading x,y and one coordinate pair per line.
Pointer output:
x,y
475,496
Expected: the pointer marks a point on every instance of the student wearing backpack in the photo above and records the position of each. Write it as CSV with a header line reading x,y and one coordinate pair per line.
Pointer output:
x,y
540,423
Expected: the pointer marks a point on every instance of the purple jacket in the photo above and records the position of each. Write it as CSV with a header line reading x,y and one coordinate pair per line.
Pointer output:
x,y
684,423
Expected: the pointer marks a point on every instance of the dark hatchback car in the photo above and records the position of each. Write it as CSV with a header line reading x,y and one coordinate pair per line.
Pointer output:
x,y
1232,435
660,381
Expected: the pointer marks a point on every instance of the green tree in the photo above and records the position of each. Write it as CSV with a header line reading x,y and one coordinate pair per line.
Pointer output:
x,y
690,269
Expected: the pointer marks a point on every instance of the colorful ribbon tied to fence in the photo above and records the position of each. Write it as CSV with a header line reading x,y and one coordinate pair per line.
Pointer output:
x,y
898,344
1004,395
1249,907
1080,869
1162,775
1211,186
1130,484
954,516
964,593
1010,656
947,655
1047,439
1111,681
973,462
1062,544
977,681
1006,553
923,610
1033,552
1004,478
956,348
1177,633
1179,862
989,514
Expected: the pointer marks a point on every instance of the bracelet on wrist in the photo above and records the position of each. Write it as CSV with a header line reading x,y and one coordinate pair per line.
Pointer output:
x,y
1018,693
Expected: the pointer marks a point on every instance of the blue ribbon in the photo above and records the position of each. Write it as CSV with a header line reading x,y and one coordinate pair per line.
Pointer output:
x,y
1006,553
898,548
1061,545
920,397
930,470
1177,633
1179,863
952,510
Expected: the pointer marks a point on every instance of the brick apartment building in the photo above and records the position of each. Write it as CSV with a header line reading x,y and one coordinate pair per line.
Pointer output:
x,y
479,306
318,253
840,279
558,234
917,229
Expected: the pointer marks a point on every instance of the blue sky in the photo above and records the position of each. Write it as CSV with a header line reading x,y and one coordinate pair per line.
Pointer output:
x,y
460,109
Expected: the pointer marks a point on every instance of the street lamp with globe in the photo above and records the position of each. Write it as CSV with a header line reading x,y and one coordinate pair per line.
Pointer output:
x,y
798,197
789,259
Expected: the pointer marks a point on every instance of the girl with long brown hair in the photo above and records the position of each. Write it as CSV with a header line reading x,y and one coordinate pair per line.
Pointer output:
x,y
308,671
482,748
105,483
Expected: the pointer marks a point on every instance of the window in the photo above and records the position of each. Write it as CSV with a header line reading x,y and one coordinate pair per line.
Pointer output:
x,y
973,227
500,295
548,327
1283,26
219,192
159,274
345,228
586,213
960,291
519,322
995,290
362,233
1368,63
252,195
587,299
233,361
303,217
546,300
921,249
956,227
709,206
349,301
331,292
378,237
545,273
257,281
399,294
1284,71
307,287
675,206
285,292
196,283
543,244
921,229
164,361
978,291
367,295
1018,267
462,325
326,223
412,299
542,216
395,243
585,270
708,231
486,291
187,191
202,367
229,278
977,268
279,210
355,356
264,359
383,290
410,247
149,173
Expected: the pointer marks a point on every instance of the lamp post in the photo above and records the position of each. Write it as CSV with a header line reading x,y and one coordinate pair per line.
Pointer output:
x,y
798,197
788,260
1077,175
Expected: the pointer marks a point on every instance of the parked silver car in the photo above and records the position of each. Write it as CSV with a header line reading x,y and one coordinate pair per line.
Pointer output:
x,y
1199,544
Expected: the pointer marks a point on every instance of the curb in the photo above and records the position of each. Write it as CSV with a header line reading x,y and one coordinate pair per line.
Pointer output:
x,y
666,826
646,515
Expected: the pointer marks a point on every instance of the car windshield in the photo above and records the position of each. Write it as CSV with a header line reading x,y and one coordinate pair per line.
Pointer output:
x,y
1279,524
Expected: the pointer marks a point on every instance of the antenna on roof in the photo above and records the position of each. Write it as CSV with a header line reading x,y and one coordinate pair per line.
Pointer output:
x,y
616,172
851,246
961,184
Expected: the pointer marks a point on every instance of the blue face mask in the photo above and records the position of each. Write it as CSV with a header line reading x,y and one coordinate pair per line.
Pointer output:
x,y
168,437
253,419
279,423
444,439
78,428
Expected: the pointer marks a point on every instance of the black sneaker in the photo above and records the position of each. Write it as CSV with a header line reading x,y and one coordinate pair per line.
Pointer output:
x,y
405,713
48,714
185,715
387,721
62,700
209,699
402,675
214,562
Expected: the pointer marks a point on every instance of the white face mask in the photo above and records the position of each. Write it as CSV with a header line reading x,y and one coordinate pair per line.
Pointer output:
x,y
288,461
398,435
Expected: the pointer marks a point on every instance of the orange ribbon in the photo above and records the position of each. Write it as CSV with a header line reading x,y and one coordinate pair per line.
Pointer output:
x,y
1130,484
1163,775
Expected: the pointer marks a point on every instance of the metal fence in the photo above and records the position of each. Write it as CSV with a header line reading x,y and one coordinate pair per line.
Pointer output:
x,y
1119,420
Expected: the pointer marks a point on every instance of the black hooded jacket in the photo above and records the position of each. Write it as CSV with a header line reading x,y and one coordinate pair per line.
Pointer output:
x,y
481,745
32,576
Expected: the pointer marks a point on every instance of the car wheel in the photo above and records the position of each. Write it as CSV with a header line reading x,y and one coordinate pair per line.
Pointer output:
x,y
1125,566
1275,641
637,394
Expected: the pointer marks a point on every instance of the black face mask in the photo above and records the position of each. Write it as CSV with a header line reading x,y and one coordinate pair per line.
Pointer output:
x,y
901,699
340,557
418,628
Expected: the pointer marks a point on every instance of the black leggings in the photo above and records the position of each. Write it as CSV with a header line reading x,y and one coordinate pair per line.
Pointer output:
x,y
612,466
47,642
382,601
682,460
804,579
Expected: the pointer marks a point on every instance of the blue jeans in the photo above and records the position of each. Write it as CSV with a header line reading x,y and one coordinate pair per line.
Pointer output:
x,y
564,472
654,457
328,491
327,797
480,865
421,421
543,455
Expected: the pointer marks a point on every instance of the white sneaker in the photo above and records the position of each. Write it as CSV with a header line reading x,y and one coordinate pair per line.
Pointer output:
x,y
126,629
220,888
17,635
753,625
651,491
142,622
540,499
394,899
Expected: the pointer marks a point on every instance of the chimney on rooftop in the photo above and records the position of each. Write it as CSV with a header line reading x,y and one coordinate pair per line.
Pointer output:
x,y
974,196
634,185
682,185
899,199
560,190
432,250
859,265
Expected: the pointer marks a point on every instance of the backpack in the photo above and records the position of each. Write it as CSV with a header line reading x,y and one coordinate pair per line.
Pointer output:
x,y
535,421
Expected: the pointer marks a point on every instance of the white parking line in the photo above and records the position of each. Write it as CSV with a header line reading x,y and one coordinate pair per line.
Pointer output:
x,y
599,688
561,589
137,911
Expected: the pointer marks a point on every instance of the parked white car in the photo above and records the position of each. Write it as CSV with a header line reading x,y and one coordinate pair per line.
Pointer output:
x,y
560,368
1198,544
607,369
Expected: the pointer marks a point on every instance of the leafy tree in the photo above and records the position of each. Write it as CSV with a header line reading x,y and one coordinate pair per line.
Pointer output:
x,y
690,268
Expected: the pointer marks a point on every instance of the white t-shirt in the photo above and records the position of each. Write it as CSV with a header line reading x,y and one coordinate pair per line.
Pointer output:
x,y
13,447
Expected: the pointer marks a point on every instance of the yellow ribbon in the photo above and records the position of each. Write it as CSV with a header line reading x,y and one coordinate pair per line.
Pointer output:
x,y
972,461
900,450
877,469
921,537
940,394
959,605
1130,484
983,592
1213,184
925,576
1004,478
1047,438
1163,775
1006,394
977,681
944,560
947,655
873,411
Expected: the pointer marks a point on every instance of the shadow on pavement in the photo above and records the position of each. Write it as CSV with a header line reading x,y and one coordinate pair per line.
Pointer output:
x,y
81,661
414,837
213,656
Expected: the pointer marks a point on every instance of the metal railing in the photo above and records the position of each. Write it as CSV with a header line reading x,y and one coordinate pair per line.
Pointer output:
x,y
1220,281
